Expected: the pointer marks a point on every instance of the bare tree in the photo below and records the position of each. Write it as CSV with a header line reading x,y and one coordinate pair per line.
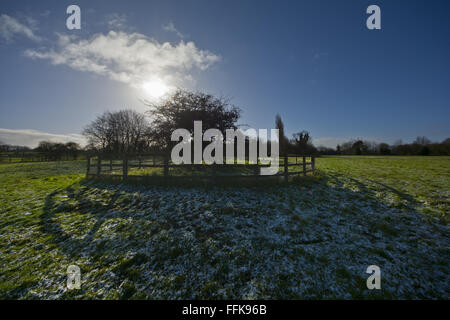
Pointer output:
x,y
302,142
422,140
125,131
302,138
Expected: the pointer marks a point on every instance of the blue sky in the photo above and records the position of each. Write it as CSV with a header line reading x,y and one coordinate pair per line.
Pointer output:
x,y
313,62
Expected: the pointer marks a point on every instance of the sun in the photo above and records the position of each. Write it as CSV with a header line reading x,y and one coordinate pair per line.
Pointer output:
x,y
155,88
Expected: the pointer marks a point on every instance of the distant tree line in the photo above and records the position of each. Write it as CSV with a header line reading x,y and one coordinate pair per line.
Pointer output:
x,y
12,148
55,151
46,151
421,146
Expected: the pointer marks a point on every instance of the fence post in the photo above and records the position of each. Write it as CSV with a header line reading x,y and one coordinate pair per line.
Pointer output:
x,y
313,163
99,165
286,168
304,165
214,169
256,171
110,165
88,166
166,166
125,167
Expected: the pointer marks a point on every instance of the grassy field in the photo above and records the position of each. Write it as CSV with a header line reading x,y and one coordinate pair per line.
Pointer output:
x,y
403,182
310,239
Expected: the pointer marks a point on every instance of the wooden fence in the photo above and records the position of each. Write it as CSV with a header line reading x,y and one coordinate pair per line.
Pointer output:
x,y
31,156
159,165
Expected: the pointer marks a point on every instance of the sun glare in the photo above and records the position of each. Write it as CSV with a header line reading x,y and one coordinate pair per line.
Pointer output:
x,y
155,88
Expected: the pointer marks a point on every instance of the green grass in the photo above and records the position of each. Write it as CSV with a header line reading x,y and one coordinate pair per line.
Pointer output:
x,y
27,252
49,216
404,182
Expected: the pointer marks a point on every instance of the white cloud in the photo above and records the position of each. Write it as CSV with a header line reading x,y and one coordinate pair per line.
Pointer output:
x,y
131,58
171,28
116,20
31,138
9,27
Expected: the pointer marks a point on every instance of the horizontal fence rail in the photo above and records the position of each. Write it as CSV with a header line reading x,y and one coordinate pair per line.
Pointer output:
x,y
158,165
32,156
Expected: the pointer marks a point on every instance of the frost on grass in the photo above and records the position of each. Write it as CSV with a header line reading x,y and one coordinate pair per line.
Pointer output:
x,y
314,241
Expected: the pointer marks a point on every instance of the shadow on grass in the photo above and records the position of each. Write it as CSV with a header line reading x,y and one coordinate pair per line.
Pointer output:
x,y
71,245
131,269
409,201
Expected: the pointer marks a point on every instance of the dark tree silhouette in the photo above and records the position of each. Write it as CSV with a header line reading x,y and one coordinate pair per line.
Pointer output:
x,y
284,143
301,138
359,147
125,131
182,108
384,149
422,141
57,151
302,143
73,149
